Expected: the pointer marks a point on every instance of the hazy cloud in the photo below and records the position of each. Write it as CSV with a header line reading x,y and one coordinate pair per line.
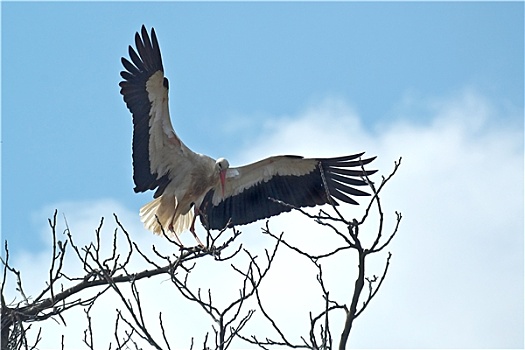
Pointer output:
x,y
456,276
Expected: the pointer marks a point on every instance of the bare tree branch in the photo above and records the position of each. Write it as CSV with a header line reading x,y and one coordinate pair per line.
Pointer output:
x,y
111,272
320,332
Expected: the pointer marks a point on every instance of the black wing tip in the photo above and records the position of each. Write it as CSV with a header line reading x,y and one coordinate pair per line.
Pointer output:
x,y
341,178
343,158
369,160
347,158
146,37
145,56
353,160
357,157
144,30
143,61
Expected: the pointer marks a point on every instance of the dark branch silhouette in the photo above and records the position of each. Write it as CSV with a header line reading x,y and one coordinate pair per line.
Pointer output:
x,y
320,332
112,273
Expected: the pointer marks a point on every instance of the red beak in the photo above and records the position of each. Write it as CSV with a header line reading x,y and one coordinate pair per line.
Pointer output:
x,y
222,175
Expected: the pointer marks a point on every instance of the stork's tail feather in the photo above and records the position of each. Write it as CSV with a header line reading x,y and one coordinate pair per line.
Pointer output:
x,y
163,210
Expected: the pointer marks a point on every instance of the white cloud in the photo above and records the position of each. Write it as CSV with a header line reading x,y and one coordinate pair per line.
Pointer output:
x,y
458,259
456,276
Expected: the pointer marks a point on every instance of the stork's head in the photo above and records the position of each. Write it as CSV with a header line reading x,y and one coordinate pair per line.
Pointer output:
x,y
222,166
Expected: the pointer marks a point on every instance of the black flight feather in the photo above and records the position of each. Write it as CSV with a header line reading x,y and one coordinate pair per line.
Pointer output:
x,y
145,62
258,201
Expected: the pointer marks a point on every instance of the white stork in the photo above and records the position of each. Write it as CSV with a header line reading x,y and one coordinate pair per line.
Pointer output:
x,y
221,196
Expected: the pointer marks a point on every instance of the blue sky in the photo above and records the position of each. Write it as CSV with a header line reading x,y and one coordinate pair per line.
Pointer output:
x,y
242,75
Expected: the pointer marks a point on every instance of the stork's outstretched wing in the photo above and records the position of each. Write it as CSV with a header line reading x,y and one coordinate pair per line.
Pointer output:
x,y
224,196
157,150
300,182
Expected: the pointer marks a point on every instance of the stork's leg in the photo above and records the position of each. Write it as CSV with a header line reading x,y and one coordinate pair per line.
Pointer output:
x,y
192,227
170,229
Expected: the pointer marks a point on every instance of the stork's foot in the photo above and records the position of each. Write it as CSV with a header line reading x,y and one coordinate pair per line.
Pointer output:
x,y
192,230
170,229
